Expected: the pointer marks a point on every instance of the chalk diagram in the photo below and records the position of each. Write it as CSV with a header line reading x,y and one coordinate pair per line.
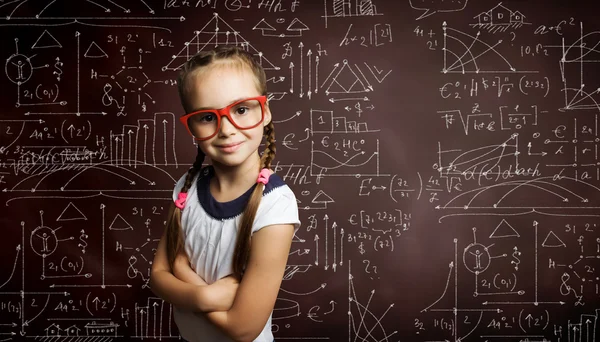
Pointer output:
x,y
127,81
10,9
463,51
491,278
216,32
154,320
581,58
499,19
579,280
293,29
359,162
19,69
134,158
586,329
349,8
345,80
478,160
550,195
580,142
430,7
363,323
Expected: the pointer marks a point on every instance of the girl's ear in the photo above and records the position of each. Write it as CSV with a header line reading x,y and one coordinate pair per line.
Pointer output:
x,y
268,117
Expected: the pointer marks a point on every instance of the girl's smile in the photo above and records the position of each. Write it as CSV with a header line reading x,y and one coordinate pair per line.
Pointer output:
x,y
230,148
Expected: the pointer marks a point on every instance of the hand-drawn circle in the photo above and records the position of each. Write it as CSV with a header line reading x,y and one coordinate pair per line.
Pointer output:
x,y
476,258
20,68
43,241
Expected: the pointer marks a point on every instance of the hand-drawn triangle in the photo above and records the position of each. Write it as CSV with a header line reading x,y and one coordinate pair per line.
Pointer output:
x,y
94,51
322,197
297,25
346,81
552,240
119,223
71,213
263,25
216,32
46,40
504,230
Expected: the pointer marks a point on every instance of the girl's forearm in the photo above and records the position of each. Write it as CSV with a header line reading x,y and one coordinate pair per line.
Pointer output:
x,y
183,295
213,297
187,274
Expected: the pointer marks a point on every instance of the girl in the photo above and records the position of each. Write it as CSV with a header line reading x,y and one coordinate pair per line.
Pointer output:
x,y
222,257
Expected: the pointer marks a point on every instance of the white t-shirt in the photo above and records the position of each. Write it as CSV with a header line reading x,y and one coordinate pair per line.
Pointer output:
x,y
209,232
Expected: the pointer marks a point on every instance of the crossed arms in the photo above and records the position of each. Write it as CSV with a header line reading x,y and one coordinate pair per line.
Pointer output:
x,y
239,308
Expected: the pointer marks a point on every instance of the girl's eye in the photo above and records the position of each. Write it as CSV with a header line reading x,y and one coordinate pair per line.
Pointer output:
x,y
207,117
241,110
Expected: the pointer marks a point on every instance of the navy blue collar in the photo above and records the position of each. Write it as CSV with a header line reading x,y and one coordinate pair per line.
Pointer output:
x,y
233,208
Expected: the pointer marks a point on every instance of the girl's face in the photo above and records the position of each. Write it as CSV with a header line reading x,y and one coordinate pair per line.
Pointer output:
x,y
219,86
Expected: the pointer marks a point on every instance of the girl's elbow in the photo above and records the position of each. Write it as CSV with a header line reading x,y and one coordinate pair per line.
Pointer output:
x,y
248,331
246,337
152,283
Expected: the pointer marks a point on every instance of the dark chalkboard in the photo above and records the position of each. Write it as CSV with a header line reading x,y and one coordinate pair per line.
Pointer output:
x,y
444,155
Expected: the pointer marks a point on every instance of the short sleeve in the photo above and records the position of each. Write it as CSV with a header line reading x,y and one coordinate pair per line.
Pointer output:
x,y
277,207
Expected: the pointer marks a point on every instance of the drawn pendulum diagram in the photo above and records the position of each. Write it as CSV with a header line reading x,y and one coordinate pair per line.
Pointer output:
x,y
43,239
462,54
19,69
216,32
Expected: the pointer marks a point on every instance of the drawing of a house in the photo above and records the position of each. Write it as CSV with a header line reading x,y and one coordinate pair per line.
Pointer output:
x,y
517,17
53,330
73,330
484,18
500,15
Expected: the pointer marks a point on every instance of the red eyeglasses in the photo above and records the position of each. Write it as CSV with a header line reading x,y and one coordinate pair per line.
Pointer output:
x,y
244,114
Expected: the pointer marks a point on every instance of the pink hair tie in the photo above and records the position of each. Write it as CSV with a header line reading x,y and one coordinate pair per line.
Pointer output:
x,y
263,176
180,202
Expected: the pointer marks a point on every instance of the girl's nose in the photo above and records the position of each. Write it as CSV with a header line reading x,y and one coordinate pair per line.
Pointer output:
x,y
227,127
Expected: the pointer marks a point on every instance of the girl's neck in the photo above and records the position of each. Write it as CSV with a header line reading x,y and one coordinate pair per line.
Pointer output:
x,y
230,182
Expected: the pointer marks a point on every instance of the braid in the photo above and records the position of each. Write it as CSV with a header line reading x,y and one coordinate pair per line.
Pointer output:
x,y
243,241
270,147
174,240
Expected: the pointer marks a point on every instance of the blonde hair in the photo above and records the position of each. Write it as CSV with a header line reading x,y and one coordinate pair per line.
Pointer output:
x,y
202,60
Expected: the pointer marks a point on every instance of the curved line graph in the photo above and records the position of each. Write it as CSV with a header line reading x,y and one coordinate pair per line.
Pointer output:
x,y
579,45
467,51
97,166
107,6
369,333
341,163
451,269
461,64
519,183
476,160
18,249
573,71
493,148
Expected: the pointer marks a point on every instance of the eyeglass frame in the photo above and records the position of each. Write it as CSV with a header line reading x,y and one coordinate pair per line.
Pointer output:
x,y
262,99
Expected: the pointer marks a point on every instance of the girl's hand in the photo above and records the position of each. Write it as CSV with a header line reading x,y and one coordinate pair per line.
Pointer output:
x,y
224,291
